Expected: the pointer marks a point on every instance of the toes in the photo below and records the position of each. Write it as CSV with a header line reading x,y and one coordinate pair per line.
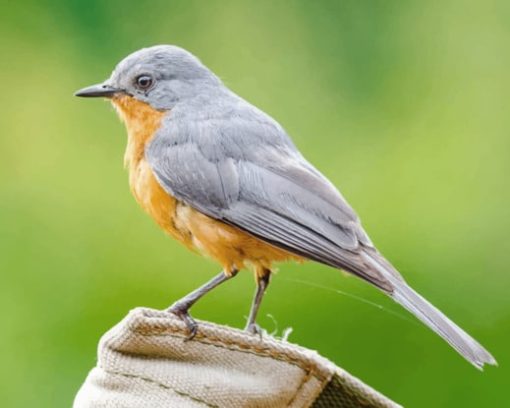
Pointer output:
x,y
192,331
254,328
190,323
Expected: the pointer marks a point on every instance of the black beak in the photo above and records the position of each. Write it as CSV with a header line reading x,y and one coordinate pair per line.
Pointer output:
x,y
98,91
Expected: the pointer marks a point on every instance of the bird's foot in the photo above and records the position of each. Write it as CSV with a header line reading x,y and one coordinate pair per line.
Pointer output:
x,y
254,328
182,312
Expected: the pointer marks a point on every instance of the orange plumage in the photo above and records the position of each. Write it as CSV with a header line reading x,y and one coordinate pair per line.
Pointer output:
x,y
231,247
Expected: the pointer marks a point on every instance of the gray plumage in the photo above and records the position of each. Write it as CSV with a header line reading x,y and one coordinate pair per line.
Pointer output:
x,y
229,160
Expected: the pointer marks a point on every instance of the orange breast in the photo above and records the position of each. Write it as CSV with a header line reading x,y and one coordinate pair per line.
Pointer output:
x,y
231,247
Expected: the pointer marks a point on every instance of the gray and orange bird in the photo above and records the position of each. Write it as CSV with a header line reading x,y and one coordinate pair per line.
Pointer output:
x,y
225,179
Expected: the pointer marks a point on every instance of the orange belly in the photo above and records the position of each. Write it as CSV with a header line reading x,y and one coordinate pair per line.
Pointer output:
x,y
232,248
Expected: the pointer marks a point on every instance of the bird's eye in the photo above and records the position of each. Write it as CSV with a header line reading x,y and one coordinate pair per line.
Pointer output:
x,y
144,81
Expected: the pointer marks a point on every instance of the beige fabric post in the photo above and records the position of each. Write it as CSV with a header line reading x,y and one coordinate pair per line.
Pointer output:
x,y
145,361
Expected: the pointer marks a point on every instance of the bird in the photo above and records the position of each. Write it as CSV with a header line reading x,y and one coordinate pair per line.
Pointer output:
x,y
226,180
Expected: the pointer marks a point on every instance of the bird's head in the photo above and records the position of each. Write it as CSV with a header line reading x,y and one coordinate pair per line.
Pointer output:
x,y
159,76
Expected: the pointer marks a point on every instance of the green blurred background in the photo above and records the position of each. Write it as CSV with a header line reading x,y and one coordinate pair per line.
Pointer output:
x,y
403,105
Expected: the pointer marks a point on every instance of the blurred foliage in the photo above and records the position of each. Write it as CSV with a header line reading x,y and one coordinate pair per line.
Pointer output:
x,y
404,105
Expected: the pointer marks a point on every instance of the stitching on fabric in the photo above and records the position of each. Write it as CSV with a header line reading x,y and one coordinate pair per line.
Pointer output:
x,y
317,392
244,348
166,387
305,379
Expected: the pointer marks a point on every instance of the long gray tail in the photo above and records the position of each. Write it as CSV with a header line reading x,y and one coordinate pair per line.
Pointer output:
x,y
403,294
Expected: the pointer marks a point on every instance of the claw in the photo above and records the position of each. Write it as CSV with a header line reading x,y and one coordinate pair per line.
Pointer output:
x,y
192,329
254,328
181,307
182,313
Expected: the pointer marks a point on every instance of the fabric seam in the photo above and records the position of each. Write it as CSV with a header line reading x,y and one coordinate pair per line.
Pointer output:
x,y
244,348
306,378
164,386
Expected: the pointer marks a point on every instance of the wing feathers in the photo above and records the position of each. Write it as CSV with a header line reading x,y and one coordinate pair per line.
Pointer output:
x,y
268,190
287,234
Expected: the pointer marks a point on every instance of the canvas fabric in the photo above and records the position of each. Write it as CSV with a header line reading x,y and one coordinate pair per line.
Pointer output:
x,y
146,361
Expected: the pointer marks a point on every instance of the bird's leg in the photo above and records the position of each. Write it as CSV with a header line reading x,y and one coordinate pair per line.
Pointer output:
x,y
182,306
262,284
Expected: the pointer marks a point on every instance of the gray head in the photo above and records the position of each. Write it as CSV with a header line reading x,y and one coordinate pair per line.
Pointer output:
x,y
161,76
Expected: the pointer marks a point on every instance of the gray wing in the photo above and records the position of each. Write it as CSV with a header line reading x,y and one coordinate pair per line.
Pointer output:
x,y
248,174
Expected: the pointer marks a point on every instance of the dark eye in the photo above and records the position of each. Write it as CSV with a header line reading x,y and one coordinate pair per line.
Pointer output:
x,y
144,81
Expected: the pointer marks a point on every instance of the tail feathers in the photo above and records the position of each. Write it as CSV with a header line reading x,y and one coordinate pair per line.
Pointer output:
x,y
465,345
403,294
